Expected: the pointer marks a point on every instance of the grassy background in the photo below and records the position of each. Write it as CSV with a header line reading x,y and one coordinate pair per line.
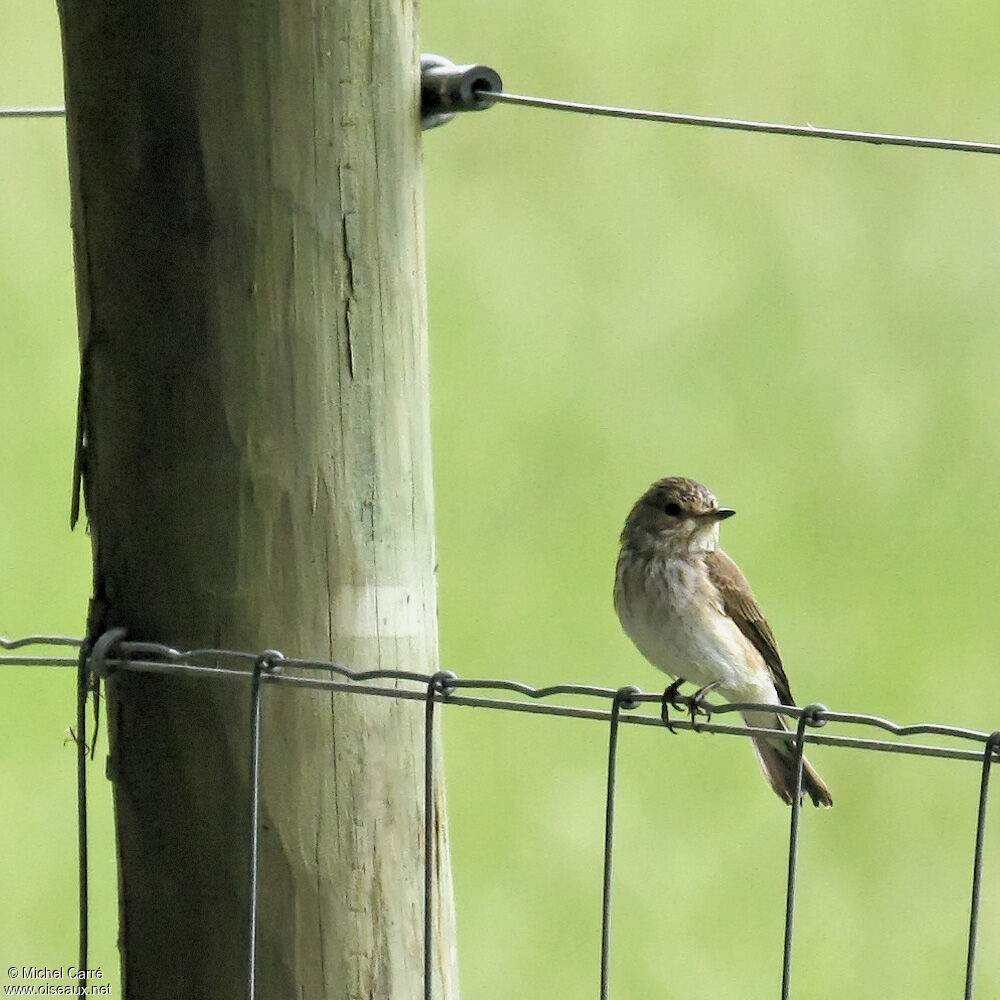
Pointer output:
x,y
809,328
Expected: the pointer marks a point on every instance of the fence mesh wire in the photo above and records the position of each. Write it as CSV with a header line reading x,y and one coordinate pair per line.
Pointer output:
x,y
112,652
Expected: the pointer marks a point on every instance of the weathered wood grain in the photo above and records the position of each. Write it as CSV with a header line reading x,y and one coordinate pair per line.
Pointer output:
x,y
250,280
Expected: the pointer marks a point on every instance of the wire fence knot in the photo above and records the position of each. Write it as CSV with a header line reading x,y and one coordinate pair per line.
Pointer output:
x,y
269,662
441,683
815,715
625,697
105,644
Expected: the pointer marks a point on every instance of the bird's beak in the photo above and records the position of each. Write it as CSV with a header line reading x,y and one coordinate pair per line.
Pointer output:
x,y
722,513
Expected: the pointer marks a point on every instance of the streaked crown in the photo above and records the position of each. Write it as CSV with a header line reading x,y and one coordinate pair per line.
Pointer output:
x,y
691,498
675,507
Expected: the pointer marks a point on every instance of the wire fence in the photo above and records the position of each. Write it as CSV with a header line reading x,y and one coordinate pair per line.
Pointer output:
x,y
745,125
112,652
489,95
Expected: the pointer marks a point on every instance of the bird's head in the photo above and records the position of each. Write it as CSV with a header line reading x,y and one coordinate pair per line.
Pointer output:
x,y
675,516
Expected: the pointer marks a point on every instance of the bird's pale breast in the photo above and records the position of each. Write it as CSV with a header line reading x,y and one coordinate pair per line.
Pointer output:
x,y
672,612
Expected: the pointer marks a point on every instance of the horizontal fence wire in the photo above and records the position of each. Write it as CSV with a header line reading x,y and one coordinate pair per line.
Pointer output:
x,y
52,112
743,124
111,653
564,700
807,131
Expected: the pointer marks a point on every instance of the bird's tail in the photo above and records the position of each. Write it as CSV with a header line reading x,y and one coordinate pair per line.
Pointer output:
x,y
776,757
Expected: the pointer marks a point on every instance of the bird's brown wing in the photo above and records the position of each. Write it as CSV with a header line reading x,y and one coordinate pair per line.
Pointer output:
x,y
740,604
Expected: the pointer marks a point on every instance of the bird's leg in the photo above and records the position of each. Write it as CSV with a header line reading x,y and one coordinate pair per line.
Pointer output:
x,y
671,693
669,698
697,703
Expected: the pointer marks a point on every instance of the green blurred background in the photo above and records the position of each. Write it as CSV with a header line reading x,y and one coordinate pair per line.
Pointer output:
x,y
810,328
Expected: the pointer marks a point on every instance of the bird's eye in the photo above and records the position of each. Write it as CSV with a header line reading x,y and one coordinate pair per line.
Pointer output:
x,y
673,509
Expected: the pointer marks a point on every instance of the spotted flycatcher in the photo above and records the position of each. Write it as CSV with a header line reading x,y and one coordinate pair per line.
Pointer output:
x,y
690,611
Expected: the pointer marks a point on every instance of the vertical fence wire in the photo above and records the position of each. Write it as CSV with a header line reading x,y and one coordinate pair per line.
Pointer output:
x,y
992,746
83,891
808,715
92,664
264,663
437,684
623,699
254,824
428,834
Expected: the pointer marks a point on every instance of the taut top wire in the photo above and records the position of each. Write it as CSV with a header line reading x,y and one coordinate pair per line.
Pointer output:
x,y
743,125
447,89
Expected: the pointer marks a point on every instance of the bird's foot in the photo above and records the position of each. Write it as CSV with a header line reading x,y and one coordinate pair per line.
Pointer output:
x,y
670,700
698,706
